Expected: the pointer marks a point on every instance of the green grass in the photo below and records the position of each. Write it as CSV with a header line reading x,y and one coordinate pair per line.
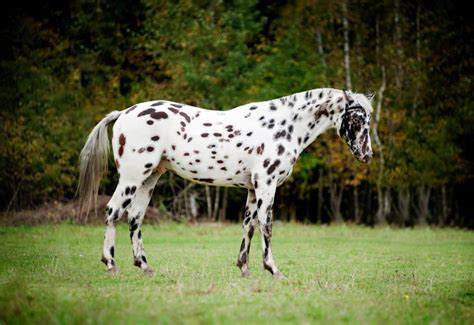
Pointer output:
x,y
333,274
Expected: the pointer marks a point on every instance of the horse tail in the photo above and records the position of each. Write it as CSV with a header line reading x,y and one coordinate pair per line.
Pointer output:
x,y
93,163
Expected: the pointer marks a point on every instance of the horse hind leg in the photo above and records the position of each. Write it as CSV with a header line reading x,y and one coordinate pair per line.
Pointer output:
x,y
114,211
136,213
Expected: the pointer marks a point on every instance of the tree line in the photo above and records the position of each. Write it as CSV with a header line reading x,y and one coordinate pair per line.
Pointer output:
x,y
64,65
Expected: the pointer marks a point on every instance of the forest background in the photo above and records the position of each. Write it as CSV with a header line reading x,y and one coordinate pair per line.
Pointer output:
x,y
65,64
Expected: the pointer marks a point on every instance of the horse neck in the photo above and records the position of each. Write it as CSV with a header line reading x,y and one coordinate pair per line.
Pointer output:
x,y
311,113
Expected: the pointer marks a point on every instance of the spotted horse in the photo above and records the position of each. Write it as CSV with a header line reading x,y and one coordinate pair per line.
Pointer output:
x,y
253,146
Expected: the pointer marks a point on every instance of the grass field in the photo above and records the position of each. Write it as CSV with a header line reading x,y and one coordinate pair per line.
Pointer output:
x,y
338,274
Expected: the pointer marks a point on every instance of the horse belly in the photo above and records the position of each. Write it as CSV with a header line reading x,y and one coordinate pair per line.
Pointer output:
x,y
202,162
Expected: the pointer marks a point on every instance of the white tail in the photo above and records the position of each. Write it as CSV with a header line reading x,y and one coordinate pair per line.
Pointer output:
x,y
93,163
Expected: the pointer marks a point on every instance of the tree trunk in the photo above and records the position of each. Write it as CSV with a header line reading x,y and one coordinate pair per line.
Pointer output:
x,y
381,217
357,214
403,205
193,206
186,200
418,61
387,203
347,61
444,207
398,44
292,212
320,196
216,204
319,39
209,202
423,204
377,41
335,191
223,210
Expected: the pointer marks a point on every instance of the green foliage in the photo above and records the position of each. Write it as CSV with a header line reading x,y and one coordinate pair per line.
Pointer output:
x,y
66,65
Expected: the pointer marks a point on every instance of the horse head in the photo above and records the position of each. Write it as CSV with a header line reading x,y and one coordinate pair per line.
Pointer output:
x,y
353,124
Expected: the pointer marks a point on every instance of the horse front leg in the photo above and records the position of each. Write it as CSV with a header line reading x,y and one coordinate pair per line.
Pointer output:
x,y
265,196
248,225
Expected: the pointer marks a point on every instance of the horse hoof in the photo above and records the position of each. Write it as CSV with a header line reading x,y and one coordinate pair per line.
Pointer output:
x,y
246,274
278,276
113,271
149,271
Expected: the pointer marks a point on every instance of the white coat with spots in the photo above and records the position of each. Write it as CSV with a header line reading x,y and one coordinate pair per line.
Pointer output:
x,y
253,146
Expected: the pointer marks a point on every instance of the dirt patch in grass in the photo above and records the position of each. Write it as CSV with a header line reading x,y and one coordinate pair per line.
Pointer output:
x,y
59,212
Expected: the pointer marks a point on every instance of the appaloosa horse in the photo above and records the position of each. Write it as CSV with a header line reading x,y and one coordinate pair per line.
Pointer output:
x,y
253,146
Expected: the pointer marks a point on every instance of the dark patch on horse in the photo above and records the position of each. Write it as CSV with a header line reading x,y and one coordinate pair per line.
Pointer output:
x,y
130,109
279,134
122,141
186,116
146,112
322,111
281,149
126,203
174,110
159,115
272,167
205,180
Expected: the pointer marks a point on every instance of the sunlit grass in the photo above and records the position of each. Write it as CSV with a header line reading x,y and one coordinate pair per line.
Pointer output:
x,y
338,273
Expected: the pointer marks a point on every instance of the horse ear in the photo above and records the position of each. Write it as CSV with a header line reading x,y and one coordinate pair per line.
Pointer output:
x,y
347,97
370,96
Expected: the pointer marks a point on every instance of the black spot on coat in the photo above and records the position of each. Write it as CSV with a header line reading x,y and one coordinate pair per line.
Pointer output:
x,y
146,112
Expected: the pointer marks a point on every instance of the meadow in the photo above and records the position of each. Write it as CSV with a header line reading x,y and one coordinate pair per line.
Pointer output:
x,y
343,274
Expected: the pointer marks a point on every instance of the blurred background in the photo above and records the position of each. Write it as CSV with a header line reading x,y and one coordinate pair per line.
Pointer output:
x,y
65,64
